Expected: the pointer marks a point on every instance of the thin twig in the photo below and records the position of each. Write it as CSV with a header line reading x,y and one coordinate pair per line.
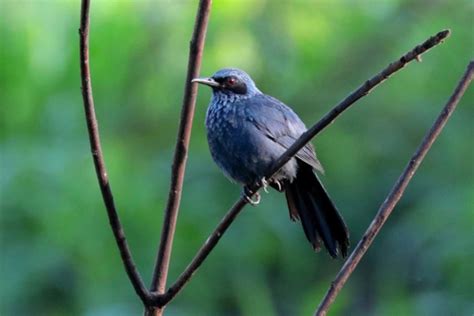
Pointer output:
x,y
101,171
395,194
196,47
363,90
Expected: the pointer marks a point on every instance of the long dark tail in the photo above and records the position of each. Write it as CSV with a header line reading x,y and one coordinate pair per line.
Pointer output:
x,y
308,201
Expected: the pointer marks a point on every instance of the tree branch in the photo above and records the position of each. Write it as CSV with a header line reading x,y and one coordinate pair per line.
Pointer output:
x,y
395,194
196,47
363,90
101,171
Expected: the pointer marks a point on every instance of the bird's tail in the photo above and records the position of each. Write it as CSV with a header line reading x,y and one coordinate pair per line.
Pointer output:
x,y
309,202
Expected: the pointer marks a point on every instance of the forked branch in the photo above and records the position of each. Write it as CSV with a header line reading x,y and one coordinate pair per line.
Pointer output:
x,y
195,56
395,194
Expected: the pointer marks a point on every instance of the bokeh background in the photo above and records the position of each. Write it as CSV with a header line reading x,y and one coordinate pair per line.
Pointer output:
x,y
58,256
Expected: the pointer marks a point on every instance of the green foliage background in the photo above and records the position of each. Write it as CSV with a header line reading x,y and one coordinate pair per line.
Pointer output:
x,y
58,256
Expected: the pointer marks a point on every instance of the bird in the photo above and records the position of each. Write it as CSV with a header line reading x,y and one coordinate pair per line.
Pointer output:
x,y
247,131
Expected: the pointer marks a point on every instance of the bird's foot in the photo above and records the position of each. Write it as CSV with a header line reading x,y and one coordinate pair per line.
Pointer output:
x,y
247,194
264,184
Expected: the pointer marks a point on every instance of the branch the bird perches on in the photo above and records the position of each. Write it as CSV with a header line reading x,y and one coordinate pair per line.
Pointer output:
x,y
157,298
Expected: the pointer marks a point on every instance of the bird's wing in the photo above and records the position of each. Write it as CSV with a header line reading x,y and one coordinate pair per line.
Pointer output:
x,y
279,123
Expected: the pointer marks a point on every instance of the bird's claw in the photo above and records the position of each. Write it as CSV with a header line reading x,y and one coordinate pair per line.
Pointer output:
x,y
278,184
247,194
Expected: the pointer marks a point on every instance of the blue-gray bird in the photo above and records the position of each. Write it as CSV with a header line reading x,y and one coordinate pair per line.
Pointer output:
x,y
247,131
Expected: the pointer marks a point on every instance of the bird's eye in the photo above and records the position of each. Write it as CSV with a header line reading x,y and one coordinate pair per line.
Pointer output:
x,y
231,81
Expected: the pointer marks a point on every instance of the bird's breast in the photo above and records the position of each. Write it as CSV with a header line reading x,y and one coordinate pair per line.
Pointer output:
x,y
220,114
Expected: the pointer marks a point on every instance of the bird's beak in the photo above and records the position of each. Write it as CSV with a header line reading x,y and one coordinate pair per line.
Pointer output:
x,y
207,81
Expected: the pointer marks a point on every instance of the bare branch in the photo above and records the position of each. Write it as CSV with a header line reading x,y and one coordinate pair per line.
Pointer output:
x,y
202,254
395,194
101,171
363,90
196,47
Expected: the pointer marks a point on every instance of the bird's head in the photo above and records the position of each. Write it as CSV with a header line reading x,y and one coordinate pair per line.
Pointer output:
x,y
230,81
